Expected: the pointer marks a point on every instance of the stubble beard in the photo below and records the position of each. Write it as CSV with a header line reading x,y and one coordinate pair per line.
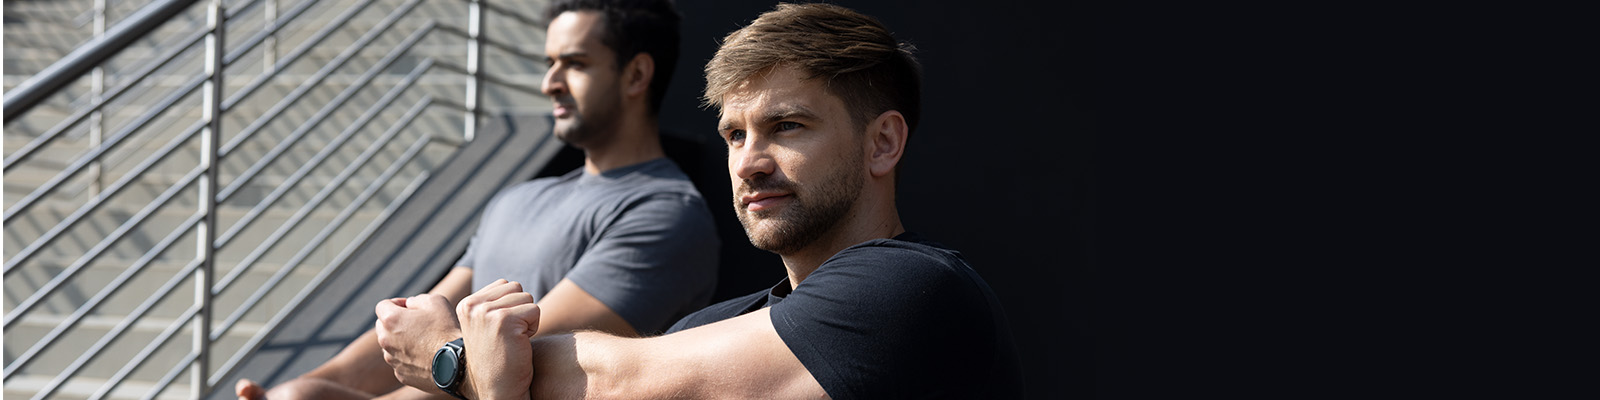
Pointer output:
x,y
809,214
588,126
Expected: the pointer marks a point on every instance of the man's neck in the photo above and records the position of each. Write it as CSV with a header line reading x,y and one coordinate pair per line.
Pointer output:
x,y
861,225
637,140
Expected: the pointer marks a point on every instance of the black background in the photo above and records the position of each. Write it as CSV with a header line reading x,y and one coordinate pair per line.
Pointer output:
x,y
1179,199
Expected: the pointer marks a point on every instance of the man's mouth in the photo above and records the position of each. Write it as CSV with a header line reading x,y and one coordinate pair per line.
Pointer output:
x,y
561,110
763,200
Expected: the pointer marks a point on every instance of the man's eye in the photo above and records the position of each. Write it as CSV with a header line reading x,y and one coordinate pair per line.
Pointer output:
x,y
735,136
787,125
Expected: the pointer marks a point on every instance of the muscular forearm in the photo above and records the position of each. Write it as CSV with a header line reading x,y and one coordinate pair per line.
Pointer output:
x,y
587,365
739,358
742,357
557,372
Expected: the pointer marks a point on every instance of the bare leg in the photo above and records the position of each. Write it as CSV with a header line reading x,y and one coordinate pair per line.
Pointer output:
x,y
298,388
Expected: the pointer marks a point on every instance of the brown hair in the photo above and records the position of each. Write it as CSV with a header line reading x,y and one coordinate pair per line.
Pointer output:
x,y
856,55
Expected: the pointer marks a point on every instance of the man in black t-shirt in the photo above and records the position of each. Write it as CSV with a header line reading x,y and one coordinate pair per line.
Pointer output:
x,y
817,102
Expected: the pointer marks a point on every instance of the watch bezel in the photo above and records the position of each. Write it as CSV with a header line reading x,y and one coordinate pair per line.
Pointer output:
x,y
454,353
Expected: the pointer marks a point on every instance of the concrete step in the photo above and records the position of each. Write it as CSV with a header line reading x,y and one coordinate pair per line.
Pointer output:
x,y
29,177
26,228
93,280
106,363
51,160
23,386
46,43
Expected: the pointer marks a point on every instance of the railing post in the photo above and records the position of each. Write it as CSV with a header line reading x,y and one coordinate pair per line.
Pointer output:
x,y
97,83
207,230
474,67
269,58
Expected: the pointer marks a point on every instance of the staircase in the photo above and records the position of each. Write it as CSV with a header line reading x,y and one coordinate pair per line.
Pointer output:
x,y
329,125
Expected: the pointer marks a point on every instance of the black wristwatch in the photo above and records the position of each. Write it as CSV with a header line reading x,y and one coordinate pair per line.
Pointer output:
x,y
449,363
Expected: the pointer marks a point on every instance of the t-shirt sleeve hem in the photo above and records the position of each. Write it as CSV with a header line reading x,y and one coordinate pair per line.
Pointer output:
x,y
809,356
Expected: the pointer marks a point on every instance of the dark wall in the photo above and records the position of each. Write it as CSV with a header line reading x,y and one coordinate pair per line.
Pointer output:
x,y
999,168
1181,198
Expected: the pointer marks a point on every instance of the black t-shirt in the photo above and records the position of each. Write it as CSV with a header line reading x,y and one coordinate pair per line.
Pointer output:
x,y
890,318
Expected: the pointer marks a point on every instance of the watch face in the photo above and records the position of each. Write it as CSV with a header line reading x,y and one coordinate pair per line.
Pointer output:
x,y
444,367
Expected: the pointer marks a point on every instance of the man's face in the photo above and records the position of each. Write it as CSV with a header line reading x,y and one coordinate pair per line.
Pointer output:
x,y
582,80
794,156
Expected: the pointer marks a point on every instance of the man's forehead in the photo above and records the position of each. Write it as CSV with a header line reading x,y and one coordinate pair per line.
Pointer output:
x,y
575,31
771,92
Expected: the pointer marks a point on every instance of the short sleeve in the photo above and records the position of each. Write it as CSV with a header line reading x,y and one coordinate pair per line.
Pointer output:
x,y
888,322
655,264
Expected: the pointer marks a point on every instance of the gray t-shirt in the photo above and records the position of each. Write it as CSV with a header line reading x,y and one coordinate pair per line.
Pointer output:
x,y
638,238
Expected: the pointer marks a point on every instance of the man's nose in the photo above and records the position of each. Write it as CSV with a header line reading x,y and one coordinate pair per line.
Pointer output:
x,y
553,84
753,159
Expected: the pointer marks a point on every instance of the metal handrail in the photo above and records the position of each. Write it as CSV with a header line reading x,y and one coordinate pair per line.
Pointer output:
x,y
311,82
128,369
191,85
204,222
60,74
144,72
361,160
309,165
322,113
77,166
161,339
94,303
99,248
255,342
261,293
50,135
95,203
128,322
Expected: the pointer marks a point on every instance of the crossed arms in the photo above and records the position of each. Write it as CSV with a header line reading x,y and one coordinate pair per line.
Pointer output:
x,y
742,357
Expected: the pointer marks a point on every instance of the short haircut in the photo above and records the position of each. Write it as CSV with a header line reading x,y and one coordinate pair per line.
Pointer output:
x,y
857,57
633,27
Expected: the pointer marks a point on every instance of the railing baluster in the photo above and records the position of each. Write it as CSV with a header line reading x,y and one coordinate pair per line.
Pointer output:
x,y
205,241
269,52
474,72
97,82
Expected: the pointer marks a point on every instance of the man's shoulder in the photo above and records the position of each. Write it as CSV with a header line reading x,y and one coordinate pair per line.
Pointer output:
x,y
901,268
907,251
659,176
538,185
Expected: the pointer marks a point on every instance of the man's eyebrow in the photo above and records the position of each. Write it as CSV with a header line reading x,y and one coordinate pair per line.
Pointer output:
x,y
787,111
777,113
565,56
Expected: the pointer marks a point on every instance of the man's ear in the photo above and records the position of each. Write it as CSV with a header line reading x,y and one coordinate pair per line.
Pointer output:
x,y
886,138
636,76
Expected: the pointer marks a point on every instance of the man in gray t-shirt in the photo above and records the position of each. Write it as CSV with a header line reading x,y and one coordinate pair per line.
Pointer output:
x,y
624,245
638,238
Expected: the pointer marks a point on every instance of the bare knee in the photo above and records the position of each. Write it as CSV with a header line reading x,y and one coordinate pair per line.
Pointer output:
x,y
314,388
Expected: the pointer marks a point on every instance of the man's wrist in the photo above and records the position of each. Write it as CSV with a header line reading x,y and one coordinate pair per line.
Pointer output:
x,y
468,389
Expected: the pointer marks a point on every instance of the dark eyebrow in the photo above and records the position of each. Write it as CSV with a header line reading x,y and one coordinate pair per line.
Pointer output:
x,y
779,113
564,56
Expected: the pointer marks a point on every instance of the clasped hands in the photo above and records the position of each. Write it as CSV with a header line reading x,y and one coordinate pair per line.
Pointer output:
x,y
495,324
